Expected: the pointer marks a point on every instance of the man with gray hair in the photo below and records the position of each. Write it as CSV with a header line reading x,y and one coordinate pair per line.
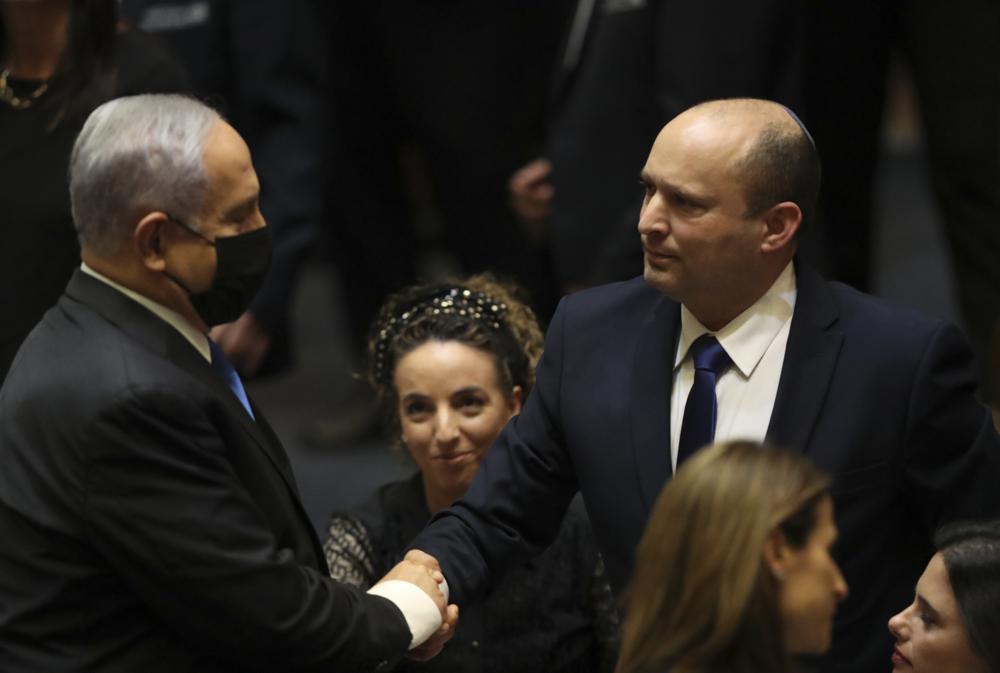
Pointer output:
x,y
149,514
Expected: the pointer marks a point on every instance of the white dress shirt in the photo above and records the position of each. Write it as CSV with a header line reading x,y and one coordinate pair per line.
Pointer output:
x,y
755,341
167,315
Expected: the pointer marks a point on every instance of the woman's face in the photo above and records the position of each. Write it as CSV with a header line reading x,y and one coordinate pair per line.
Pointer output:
x,y
451,408
930,633
811,587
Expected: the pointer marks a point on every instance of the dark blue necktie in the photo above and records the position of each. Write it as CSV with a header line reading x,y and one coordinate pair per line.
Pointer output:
x,y
698,427
222,367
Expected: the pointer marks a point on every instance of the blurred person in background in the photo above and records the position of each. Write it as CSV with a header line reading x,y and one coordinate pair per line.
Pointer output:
x,y
263,65
59,59
432,105
953,624
953,57
451,364
734,572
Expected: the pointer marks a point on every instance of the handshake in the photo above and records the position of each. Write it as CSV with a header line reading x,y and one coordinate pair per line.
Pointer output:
x,y
409,584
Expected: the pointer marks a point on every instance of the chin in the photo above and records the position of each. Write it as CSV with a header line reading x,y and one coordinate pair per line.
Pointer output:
x,y
658,279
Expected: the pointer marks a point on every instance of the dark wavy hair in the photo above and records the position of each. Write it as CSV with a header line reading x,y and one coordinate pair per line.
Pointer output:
x,y
971,553
85,75
479,311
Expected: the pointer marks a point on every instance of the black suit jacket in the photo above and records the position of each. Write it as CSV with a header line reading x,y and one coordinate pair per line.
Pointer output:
x,y
879,396
148,523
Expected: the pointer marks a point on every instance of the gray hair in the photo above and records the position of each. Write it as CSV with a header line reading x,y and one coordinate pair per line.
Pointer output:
x,y
136,155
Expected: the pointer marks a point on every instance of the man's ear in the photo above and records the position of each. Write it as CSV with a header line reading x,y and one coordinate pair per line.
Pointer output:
x,y
783,221
147,243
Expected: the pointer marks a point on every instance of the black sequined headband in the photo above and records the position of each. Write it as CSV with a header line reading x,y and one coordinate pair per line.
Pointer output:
x,y
439,300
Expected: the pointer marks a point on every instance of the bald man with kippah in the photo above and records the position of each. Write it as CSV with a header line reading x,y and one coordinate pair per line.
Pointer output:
x,y
728,335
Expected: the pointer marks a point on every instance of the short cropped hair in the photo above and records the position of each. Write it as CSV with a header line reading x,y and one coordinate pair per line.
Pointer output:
x,y
782,165
136,155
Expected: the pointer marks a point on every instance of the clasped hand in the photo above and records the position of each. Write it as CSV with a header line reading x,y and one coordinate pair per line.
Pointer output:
x,y
424,571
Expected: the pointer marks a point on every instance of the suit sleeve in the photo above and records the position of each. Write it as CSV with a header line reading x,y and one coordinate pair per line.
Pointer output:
x,y
515,505
953,451
165,507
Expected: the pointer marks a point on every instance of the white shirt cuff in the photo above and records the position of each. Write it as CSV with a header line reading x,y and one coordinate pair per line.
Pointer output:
x,y
420,611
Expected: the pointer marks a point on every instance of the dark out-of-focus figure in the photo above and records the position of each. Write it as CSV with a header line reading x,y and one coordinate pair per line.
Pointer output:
x,y
953,54
626,68
261,64
59,59
433,106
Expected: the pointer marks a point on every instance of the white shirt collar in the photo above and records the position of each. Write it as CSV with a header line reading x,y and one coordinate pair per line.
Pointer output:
x,y
169,316
748,335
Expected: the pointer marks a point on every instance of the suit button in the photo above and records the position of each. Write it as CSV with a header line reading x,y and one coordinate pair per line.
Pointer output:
x,y
381,665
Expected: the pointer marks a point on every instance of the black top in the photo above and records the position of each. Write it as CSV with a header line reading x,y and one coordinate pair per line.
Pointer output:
x,y
554,613
38,245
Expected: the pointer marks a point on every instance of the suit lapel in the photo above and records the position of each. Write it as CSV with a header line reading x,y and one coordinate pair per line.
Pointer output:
x,y
649,406
810,360
143,326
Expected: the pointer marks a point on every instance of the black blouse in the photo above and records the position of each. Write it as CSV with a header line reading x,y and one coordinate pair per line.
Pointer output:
x,y
554,613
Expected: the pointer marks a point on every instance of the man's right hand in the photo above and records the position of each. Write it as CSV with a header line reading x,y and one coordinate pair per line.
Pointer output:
x,y
424,576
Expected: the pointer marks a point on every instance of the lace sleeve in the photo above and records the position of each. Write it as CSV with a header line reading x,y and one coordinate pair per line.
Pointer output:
x,y
349,552
607,633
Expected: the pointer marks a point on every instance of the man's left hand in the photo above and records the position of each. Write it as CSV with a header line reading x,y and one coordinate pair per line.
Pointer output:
x,y
245,343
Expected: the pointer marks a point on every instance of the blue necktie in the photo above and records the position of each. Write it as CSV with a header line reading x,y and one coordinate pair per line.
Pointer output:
x,y
222,367
698,427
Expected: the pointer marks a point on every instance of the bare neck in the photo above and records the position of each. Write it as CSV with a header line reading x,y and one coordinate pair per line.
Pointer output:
x,y
438,500
715,314
36,35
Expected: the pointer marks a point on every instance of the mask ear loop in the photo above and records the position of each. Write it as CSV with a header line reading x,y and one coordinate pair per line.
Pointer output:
x,y
189,228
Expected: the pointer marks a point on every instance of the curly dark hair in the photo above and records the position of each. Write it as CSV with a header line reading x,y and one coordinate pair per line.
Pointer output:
x,y
479,311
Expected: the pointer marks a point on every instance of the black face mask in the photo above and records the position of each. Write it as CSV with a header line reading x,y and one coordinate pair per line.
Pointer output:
x,y
241,262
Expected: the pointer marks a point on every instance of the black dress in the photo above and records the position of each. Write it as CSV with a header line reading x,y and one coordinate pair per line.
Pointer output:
x,y
38,245
554,613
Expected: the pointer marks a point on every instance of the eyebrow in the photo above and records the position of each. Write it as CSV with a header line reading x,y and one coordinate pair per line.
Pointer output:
x,y
466,390
693,197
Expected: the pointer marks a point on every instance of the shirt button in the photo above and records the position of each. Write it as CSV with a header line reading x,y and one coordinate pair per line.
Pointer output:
x,y
475,643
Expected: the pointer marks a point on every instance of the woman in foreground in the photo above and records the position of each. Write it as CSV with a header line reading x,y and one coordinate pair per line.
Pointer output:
x,y
953,624
452,364
734,572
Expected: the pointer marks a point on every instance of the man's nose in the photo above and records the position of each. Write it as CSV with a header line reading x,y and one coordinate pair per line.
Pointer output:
x,y
653,217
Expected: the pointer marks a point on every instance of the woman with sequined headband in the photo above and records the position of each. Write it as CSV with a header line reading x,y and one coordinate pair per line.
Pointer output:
x,y
452,363
59,59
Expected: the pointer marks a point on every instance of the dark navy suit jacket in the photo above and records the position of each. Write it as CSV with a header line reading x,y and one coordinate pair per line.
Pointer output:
x,y
879,396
